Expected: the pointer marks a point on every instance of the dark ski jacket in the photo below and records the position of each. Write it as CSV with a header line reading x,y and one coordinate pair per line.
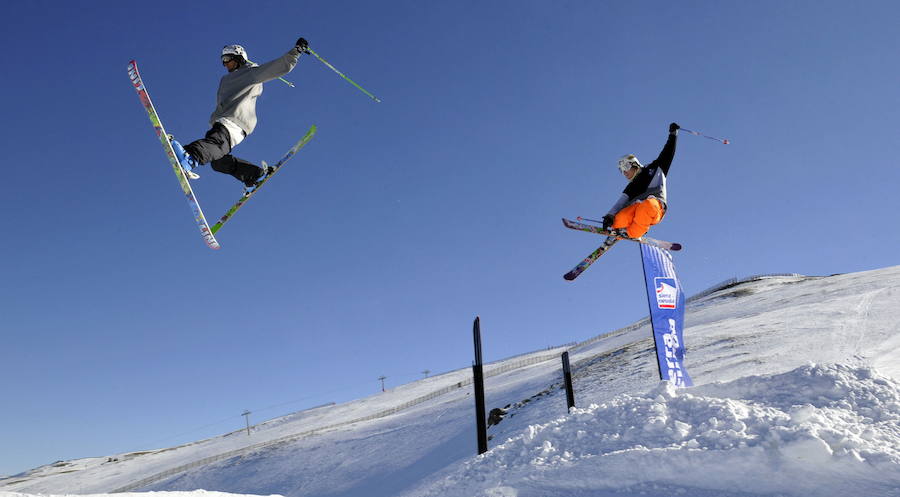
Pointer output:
x,y
239,89
651,180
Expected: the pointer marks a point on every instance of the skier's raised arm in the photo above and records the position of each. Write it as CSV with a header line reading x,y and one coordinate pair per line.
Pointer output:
x,y
664,161
282,65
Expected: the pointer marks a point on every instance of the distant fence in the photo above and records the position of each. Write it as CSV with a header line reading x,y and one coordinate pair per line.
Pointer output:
x,y
505,367
735,281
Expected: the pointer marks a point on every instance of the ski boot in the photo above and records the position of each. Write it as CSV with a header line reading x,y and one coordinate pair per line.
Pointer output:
x,y
619,232
251,185
187,162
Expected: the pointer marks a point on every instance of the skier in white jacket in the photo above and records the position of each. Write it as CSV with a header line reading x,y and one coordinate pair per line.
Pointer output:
x,y
234,117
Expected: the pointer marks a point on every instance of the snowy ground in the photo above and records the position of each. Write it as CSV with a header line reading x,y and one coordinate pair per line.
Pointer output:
x,y
797,394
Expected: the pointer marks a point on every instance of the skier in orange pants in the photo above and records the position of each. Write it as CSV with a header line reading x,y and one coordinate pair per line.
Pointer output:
x,y
643,202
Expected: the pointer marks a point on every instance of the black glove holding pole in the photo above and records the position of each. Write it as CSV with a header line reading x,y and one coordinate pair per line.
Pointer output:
x,y
608,221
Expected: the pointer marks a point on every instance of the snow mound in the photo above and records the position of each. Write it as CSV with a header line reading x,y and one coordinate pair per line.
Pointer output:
x,y
820,429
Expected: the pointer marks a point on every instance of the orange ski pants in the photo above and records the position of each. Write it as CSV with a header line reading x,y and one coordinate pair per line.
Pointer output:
x,y
639,217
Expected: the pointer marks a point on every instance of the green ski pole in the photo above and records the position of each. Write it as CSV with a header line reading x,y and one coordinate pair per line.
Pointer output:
x,y
373,97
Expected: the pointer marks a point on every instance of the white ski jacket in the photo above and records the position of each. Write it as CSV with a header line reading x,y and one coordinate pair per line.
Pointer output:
x,y
239,89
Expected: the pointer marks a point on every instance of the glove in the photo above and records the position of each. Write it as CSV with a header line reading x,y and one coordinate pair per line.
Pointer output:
x,y
608,221
672,127
302,45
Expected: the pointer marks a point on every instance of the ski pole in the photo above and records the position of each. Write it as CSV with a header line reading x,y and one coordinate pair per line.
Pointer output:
x,y
722,140
286,82
281,79
373,97
586,219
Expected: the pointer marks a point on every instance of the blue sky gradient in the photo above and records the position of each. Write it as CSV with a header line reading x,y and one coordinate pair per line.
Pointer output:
x,y
373,250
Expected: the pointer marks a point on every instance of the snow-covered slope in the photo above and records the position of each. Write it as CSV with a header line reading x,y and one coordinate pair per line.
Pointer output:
x,y
797,394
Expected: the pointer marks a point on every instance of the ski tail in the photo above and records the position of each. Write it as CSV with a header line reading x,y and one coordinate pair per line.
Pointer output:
x,y
590,259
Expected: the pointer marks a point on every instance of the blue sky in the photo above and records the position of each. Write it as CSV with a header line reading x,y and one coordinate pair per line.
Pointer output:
x,y
373,250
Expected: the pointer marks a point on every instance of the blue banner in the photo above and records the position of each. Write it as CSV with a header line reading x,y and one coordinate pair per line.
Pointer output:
x,y
666,300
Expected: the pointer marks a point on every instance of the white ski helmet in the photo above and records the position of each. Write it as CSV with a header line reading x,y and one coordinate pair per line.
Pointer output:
x,y
626,162
235,51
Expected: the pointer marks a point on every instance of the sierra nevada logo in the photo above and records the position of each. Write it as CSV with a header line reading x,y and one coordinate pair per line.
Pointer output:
x,y
666,293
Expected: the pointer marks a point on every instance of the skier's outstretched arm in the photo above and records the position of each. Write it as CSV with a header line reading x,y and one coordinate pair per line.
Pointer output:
x,y
667,155
280,66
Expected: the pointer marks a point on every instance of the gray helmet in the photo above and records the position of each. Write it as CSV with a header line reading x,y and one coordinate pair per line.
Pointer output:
x,y
235,51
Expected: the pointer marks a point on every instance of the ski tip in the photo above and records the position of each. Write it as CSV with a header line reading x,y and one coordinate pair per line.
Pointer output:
x,y
569,276
676,246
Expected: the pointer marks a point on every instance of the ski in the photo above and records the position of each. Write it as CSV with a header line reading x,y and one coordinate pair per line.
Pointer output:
x,y
249,194
610,241
590,228
199,218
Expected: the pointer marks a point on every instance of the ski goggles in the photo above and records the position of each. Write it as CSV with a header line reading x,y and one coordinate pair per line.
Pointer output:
x,y
227,58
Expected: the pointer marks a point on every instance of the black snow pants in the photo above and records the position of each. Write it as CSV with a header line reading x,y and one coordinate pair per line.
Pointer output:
x,y
215,148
